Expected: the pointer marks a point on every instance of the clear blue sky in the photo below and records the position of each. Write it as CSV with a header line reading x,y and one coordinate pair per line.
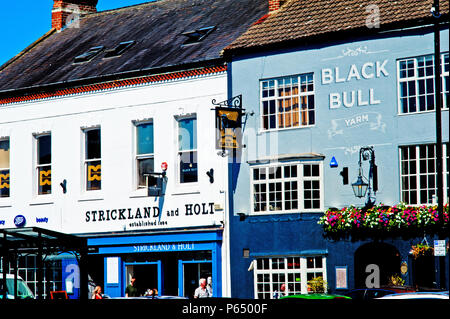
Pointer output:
x,y
24,21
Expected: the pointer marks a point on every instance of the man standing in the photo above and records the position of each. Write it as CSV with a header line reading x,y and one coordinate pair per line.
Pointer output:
x,y
202,291
131,290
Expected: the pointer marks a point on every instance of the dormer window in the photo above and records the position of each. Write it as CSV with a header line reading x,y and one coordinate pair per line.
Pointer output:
x,y
89,55
198,35
119,49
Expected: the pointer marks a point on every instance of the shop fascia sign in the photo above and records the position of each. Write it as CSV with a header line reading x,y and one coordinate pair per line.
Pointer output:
x,y
167,247
356,72
190,210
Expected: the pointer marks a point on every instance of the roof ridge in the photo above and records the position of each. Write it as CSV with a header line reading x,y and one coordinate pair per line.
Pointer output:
x,y
148,2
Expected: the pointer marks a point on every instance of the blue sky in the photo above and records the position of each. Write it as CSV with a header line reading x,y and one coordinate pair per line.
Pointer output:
x,y
24,21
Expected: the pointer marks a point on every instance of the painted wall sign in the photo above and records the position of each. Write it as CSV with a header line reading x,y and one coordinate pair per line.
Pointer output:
x,y
189,214
166,247
373,120
42,220
356,97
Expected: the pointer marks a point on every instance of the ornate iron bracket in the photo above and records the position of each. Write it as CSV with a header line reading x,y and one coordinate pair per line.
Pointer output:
x,y
235,101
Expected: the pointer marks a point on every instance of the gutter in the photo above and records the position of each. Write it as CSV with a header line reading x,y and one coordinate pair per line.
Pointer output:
x,y
323,38
46,88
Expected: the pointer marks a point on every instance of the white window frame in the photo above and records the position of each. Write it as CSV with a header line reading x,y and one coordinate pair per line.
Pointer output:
x,y
277,97
86,161
37,166
303,272
178,151
8,169
417,174
137,156
416,79
300,179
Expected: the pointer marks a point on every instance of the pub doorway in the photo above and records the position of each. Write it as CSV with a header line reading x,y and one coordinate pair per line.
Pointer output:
x,y
190,273
147,274
424,272
376,259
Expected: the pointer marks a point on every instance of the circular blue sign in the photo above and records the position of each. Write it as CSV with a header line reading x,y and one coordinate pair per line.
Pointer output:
x,y
20,221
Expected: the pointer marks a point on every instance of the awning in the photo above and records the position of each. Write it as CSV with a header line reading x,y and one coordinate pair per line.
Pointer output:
x,y
30,239
286,158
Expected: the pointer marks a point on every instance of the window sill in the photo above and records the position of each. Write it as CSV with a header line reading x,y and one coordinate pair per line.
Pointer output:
x,y
5,202
261,131
91,196
42,200
139,193
186,188
280,212
421,112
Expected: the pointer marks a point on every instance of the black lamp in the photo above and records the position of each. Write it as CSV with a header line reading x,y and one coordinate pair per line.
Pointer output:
x,y
360,187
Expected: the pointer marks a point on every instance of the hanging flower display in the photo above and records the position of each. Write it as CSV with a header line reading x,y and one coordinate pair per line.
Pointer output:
x,y
421,250
381,219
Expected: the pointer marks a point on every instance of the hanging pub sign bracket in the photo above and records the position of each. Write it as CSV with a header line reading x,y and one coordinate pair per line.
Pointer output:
x,y
235,101
228,123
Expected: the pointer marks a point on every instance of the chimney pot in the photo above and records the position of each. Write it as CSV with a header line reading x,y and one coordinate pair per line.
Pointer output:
x,y
274,5
63,11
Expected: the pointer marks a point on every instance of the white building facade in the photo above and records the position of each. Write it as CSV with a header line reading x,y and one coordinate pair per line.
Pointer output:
x,y
77,164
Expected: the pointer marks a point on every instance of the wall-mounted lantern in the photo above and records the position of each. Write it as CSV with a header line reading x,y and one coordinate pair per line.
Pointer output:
x,y
361,187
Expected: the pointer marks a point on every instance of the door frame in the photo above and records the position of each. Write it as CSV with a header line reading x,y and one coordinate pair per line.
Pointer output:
x,y
181,264
160,274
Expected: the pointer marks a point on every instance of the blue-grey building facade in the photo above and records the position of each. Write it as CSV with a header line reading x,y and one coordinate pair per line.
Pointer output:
x,y
309,110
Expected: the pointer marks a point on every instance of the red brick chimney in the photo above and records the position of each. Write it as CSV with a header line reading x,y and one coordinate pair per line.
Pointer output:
x,y
274,5
64,11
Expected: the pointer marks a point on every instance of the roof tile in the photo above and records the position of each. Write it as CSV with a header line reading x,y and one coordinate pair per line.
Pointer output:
x,y
300,19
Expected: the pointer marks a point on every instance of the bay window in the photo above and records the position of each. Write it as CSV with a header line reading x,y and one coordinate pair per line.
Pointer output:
x,y
284,188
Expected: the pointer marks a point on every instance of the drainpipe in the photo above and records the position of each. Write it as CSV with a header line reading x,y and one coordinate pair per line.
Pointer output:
x,y
438,105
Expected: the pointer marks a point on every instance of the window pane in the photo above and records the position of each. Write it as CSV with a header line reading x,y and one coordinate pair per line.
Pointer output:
x,y
44,180
187,134
145,138
188,167
93,146
93,175
4,183
145,166
44,152
4,154
4,168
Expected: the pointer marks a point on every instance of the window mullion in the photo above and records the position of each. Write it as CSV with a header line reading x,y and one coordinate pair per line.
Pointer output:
x,y
300,187
418,186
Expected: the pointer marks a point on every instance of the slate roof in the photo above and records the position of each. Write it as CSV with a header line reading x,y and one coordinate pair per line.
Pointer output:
x,y
299,20
156,27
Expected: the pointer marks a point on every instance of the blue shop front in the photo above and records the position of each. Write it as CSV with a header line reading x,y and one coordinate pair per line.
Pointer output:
x,y
171,262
